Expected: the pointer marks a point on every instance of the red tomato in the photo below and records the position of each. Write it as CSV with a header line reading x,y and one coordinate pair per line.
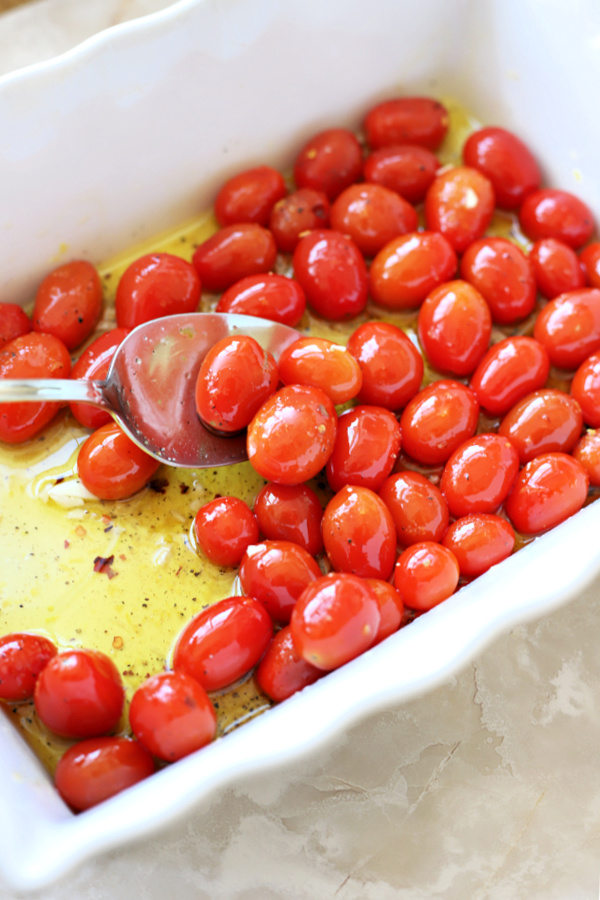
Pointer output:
x,y
224,529
407,120
301,211
111,466
292,435
269,296
406,168
585,389
418,507
425,575
459,204
508,163
14,322
281,672
249,196
22,658
549,213
556,267
290,512
91,771
333,274
587,452
509,370
569,327
503,275
479,475
156,285
543,422
68,303
335,620
392,367
372,215
366,447
233,253
323,364
454,327
171,715
330,161
30,356
437,420
479,541
223,642
409,267
391,608
359,533
589,259
93,364
276,573
547,491
79,694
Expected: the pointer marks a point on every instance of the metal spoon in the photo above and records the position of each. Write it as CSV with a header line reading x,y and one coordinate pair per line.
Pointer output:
x,y
149,389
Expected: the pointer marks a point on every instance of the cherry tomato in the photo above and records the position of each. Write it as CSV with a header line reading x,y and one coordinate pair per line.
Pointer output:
x,y
290,512
509,370
589,259
425,575
418,507
336,619
91,771
156,285
391,608
281,672
224,529
407,120
249,196
292,435
303,210
333,274
171,715
508,163
330,161
68,303
547,491
585,389
587,452
503,275
479,475
392,367
30,356
79,694
556,214
454,327
366,447
22,658
223,642
234,252
569,327
409,267
479,541
111,466
437,420
276,573
406,168
459,204
93,364
14,322
556,267
323,364
372,215
269,296
543,422
359,533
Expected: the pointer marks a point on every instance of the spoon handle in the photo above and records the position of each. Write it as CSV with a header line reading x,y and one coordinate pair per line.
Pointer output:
x,y
54,390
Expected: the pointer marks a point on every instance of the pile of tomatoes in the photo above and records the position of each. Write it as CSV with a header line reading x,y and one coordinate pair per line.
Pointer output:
x,y
429,484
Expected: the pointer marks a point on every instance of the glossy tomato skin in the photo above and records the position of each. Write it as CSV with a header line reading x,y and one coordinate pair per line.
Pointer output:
x,y
223,642
392,367
335,620
589,259
111,466
276,573
281,672
508,163
171,715
249,196
409,267
329,162
418,507
569,327
292,435
267,296
556,267
585,390
156,285
290,513
68,303
22,658
372,216
437,420
359,533
332,272
550,213
391,608
548,490
510,369
459,204
479,541
479,475
301,211
323,364
587,452
234,252
93,364
224,528
543,422
406,169
14,322
425,575
30,356
79,694
366,447
407,120
454,327
503,275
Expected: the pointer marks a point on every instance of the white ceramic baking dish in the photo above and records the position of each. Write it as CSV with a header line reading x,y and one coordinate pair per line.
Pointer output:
x,y
126,136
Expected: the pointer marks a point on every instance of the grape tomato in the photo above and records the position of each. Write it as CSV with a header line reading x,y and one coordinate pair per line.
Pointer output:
x,y
276,573
68,303
459,204
249,196
267,296
406,169
366,448
293,513
331,270
329,162
391,365
359,533
503,275
407,120
323,364
454,327
437,420
155,285
508,163
372,216
409,267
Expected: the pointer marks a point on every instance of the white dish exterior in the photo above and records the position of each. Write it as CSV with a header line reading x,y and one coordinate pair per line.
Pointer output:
x,y
128,135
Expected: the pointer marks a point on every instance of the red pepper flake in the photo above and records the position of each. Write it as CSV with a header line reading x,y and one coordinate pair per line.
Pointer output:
x,y
67,544
80,531
103,564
